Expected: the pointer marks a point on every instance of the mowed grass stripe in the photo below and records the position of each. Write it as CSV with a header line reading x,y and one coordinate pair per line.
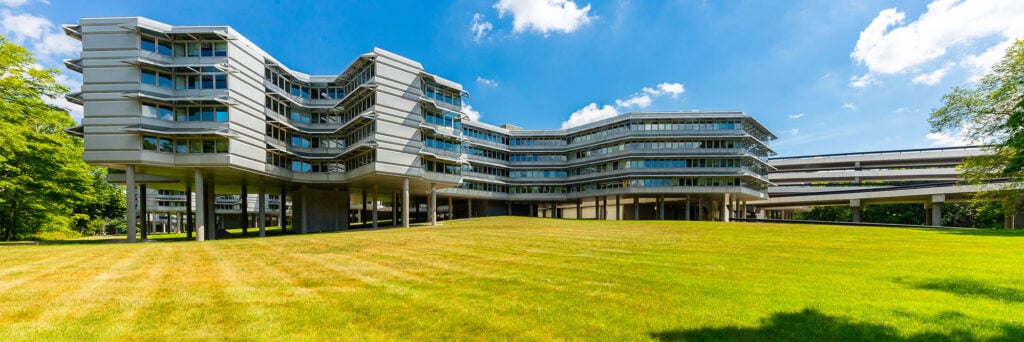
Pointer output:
x,y
523,278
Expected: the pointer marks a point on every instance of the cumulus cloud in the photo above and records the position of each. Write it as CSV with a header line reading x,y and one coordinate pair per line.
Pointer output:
x,y
639,100
471,114
796,116
862,81
643,99
479,27
889,45
544,16
24,27
486,82
673,89
934,77
945,139
849,106
16,3
589,114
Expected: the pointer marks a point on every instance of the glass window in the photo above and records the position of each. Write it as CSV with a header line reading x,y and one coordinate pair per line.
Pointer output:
x,y
207,82
208,114
208,146
165,81
222,145
149,143
195,146
149,111
220,49
222,114
206,49
148,44
166,113
166,145
181,146
164,47
220,81
180,49
194,114
148,77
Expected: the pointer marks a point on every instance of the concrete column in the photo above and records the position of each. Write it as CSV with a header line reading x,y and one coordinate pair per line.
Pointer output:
x,y
375,206
636,207
509,204
189,224
743,209
687,214
579,209
262,222
451,208
856,211
129,198
200,224
362,213
937,201
167,228
245,209
469,209
283,209
725,207
432,206
532,212
304,209
181,223
661,207
143,211
405,203
618,199
211,208
394,209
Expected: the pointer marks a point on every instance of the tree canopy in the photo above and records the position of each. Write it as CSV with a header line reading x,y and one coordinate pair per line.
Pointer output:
x,y
44,184
991,113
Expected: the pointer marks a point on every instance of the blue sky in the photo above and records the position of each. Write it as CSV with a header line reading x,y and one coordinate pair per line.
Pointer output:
x,y
825,76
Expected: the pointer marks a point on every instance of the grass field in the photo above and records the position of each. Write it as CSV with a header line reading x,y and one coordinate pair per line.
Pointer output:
x,y
526,278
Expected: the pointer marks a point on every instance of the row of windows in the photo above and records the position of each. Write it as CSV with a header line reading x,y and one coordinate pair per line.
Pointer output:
x,y
530,157
485,187
184,113
485,135
486,153
536,189
170,203
163,79
442,94
442,143
198,49
170,193
536,141
320,166
304,140
537,173
442,118
487,170
441,167
681,163
285,83
185,145
656,145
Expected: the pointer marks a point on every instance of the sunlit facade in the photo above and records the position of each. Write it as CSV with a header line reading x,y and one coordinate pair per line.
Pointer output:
x,y
204,111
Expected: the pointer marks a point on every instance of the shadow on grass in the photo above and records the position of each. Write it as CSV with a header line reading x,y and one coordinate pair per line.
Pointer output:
x,y
971,288
811,325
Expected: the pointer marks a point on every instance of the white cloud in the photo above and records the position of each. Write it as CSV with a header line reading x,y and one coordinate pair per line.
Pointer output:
x,y
57,44
479,27
934,77
639,100
487,82
544,16
794,131
24,27
948,29
589,114
643,99
862,81
667,88
944,139
471,114
849,106
979,64
796,116
16,3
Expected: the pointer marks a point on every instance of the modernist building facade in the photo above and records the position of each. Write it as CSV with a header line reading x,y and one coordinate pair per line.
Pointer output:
x,y
201,110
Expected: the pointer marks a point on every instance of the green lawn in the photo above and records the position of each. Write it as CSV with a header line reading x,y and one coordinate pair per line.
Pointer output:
x,y
525,278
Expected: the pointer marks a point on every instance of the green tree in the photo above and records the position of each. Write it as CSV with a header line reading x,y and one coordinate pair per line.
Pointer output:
x,y
42,176
991,113
825,213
